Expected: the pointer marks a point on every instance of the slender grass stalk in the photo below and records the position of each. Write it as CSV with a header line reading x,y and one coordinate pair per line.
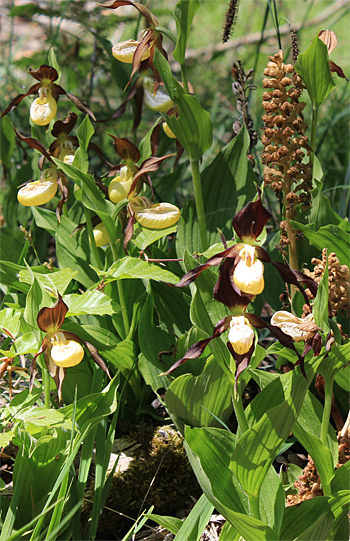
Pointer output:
x,y
93,246
46,382
198,195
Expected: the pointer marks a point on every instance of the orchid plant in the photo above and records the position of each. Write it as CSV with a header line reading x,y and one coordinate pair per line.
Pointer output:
x,y
140,295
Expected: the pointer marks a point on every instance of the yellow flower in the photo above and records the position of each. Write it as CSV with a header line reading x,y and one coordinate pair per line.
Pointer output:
x,y
43,108
241,335
157,216
101,235
120,185
65,353
249,272
40,191
159,101
125,50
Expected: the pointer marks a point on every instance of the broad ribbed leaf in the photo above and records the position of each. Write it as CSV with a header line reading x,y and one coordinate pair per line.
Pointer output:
x,y
311,520
332,237
339,503
184,12
10,320
188,400
46,219
320,308
27,343
57,281
257,448
195,523
91,302
132,267
144,237
313,68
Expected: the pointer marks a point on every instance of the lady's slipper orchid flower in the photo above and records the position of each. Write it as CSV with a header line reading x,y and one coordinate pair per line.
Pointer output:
x,y
119,187
241,335
159,101
168,131
153,216
41,191
141,50
44,108
62,349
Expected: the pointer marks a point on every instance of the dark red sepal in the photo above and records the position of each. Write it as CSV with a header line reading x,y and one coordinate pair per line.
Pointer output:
x,y
129,231
295,277
96,357
152,19
51,320
126,149
197,349
44,73
35,144
64,126
251,220
149,165
337,69
17,100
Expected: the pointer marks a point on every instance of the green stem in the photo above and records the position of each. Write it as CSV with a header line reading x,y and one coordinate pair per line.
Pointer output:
x,y
313,133
93,246
254,506
197,187
123,307
184,77
328,394
46,383
239,410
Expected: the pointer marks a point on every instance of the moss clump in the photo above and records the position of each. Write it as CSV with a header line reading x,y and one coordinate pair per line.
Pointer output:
x,y
159,474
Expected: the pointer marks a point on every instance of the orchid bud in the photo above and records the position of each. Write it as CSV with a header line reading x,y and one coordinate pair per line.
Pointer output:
x,y
40,191
43,108
249,272
241,335
157,216
120,185
65,353
101,235
168,131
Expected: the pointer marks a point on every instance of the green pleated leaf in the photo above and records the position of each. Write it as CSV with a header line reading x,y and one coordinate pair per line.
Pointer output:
x,y
313,68
172,524
41,416
84,133
9,276
310,419
336,360
227,185
56,281
92,197
144,237
332,237
27,343
209,451
36,299
132,267
322,212
73,252
7,141
195,523
341,479
11,243
320,454
188,400
184,13
46,219
10,320
193,127
310,520
172,305
53,62
257,448
91,302
339,503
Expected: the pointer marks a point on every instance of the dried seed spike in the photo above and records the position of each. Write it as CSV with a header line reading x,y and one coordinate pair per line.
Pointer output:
x,y
295,44
230,20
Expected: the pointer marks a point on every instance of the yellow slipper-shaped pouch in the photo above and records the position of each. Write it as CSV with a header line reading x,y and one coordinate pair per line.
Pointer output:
x,y
40,191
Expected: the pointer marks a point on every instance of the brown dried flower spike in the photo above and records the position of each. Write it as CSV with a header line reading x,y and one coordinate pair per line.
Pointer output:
x,y
283,136
338,280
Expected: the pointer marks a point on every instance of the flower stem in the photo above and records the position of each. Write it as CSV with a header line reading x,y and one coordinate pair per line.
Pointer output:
x,y
254,506
198,195
46,383
184,77
313,133
328,394
239,410
93,246
121,294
